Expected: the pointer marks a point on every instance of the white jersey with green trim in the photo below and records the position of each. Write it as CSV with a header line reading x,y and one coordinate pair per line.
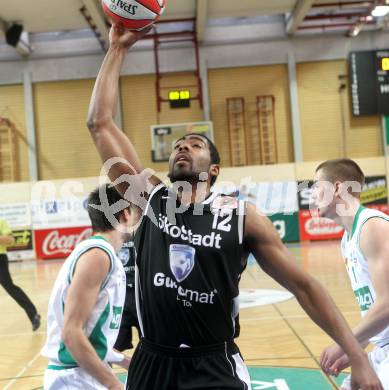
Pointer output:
x,y
357,268
103,324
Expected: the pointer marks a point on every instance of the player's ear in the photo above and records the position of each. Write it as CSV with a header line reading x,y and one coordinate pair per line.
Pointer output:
x,y
338,188
126,215
214,170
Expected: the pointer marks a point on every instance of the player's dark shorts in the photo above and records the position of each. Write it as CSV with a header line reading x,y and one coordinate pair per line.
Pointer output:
x,y
129,320
213,367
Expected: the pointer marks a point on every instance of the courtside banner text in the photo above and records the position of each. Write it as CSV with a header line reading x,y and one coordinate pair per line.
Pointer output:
x,y
375,191
313,228
59,213
17,215
23,248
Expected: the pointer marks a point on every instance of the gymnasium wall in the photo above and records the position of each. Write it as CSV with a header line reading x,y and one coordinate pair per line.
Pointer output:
x,y
65,148
328,127
250,82
12,107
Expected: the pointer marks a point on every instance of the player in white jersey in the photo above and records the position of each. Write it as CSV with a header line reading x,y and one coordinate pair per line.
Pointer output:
x,y
86,304
365,249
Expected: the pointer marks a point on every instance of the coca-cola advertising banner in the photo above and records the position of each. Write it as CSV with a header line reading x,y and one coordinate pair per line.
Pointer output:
x,y
384,208
314,228
59,243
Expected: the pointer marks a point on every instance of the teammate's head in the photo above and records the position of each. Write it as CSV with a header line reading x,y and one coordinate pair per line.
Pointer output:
x,y
335,181
99,207
193,154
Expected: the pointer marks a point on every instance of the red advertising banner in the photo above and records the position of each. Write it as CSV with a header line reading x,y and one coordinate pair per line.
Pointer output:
x,y
59,243
384,208
313,228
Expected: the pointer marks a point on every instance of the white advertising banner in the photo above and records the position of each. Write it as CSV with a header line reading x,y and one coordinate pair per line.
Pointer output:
x,y
59,213
17,215
269,197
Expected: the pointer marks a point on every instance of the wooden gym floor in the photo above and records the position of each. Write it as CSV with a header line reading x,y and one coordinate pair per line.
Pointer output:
x,y
278,335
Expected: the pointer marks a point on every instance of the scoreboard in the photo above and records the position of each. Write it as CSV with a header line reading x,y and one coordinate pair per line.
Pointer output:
x,y
369,81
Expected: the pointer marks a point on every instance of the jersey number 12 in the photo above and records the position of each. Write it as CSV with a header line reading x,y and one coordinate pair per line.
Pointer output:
x,y
222,224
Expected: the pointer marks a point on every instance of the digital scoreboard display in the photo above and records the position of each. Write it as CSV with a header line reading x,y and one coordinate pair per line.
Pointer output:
x,y
385,64
179,99
369,81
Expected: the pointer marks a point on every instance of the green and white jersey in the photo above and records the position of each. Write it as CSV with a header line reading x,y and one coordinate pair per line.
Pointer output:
x,y
357,267
103,324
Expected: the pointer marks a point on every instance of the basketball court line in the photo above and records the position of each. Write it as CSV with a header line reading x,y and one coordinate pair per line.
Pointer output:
x,y
295,316
22,334
328,377
22,371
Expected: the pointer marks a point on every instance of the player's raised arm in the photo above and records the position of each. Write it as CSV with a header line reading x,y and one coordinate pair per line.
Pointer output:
x,y
274,258
110,141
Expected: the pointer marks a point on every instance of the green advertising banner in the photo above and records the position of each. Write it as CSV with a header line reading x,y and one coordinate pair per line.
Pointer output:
x,y
287,226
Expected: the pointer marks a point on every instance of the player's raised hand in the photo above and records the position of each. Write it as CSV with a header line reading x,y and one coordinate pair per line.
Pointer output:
x,y
122,37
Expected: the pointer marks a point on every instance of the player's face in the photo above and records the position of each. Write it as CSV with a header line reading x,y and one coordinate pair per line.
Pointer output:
x,y
190,157
323,199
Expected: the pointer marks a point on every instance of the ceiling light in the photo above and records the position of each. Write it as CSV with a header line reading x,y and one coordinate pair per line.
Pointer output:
x,y
355,30
18,38
380,10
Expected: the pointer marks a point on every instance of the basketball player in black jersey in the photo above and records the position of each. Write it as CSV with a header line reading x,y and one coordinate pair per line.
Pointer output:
x,y
192,247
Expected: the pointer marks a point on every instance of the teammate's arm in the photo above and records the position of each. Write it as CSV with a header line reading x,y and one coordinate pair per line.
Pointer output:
x,y
91,270
375,247
374,244
273,257
110,141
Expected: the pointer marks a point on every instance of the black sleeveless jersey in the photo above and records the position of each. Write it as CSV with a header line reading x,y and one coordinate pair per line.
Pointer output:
x,y
188,268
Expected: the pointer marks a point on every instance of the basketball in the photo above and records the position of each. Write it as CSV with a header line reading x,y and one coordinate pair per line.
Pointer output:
x,y
134,14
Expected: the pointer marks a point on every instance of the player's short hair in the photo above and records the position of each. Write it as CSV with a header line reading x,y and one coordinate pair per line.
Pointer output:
x,y
215,156
343,169
98,215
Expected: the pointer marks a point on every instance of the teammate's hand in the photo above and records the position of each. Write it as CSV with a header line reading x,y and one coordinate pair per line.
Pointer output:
x,y
363,376
328,358
123,38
